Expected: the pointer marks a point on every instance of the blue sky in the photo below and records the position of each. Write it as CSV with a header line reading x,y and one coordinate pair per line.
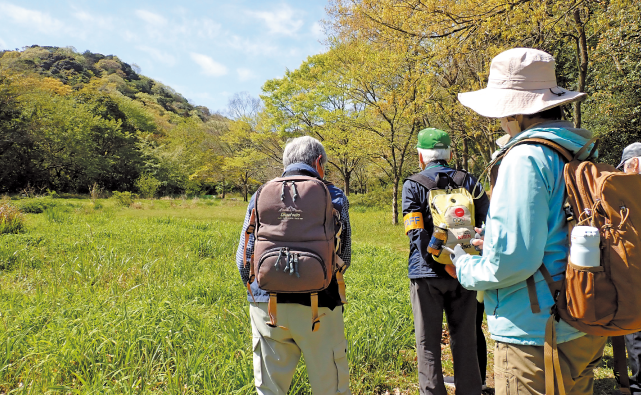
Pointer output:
x,y
206,50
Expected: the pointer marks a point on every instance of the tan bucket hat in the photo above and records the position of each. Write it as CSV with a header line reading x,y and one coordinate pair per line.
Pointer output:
x,y
521,81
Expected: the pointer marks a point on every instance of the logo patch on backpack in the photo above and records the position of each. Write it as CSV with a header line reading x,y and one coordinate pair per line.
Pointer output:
x,y
290,212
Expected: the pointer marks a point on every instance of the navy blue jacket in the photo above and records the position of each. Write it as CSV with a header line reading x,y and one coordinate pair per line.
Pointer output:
x,y
326,298
420,263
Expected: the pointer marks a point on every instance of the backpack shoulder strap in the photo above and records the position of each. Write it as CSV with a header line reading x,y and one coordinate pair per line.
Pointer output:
x,y
423,180
548,143
459,177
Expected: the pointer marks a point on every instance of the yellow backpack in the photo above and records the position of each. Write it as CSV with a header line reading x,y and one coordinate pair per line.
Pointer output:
x,y
454,206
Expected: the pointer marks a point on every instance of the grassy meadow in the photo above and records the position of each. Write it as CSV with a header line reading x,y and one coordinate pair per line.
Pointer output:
x,y
99,298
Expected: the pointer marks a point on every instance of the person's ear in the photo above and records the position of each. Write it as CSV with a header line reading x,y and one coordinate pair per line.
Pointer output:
x,y
635,165
451,155
319,166
421,163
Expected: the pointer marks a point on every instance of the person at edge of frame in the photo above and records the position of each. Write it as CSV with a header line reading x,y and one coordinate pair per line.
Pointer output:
x,y
631,164
526,229
278,350
432,290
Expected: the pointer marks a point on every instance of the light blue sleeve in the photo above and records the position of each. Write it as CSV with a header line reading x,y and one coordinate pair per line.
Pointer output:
x,y
517,227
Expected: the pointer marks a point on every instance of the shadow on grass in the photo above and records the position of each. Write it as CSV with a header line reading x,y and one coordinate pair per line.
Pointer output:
x,y
605,386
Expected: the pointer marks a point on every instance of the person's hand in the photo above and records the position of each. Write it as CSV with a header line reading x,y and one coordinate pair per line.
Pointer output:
x,y
478,239
458,253
451,270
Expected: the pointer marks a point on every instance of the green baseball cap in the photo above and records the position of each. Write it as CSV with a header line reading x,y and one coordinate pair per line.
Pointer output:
x,y
431,138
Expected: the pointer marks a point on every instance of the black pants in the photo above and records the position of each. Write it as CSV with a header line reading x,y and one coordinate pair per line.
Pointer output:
x,y
430,298
481,346
633,345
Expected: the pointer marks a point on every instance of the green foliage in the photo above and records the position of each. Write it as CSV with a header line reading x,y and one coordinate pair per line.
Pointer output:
x,y
11,219
36,205
147,185
69,120
375,198
123,199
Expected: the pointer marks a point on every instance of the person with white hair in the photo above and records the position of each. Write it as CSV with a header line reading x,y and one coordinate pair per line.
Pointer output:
x,y
277,349
631,159
432,290
526,236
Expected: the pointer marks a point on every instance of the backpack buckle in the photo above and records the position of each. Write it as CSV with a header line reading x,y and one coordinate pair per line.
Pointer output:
x,y
569,212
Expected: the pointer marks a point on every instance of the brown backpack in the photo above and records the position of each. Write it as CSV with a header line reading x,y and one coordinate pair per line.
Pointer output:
x,y
296,229
603,300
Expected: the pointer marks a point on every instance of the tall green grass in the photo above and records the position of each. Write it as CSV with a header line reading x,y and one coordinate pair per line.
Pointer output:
x,y
149,301
101,299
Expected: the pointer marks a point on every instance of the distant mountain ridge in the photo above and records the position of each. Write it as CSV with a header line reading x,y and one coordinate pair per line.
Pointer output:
x,y
77,69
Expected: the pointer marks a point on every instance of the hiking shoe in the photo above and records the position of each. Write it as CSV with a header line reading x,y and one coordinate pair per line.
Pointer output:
x,y
449,381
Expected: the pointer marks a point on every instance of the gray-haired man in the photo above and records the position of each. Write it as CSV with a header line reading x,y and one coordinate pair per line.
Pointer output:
x,y
277,350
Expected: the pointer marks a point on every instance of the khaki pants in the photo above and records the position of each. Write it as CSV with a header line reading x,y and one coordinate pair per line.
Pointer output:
x,y
518,369
277,350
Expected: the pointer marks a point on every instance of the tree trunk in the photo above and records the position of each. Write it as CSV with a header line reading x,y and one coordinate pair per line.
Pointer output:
x,y
465,154
346,181
582,62
245,188
223,187
395,201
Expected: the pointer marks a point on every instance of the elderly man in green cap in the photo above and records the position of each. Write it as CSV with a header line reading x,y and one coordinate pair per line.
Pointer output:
x,y
432,289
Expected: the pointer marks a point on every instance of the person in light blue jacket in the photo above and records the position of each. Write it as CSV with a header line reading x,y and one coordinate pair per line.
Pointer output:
x,y
526,229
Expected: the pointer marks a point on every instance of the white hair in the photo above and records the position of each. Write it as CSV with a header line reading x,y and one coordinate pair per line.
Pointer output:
x,y
304,149
430,155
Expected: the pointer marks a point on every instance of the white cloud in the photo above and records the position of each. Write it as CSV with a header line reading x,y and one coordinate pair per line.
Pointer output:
x,y
99,21
3,45
151,18
158,55
317,30
208,28
34,19
245,74
251,47
208,65
281,21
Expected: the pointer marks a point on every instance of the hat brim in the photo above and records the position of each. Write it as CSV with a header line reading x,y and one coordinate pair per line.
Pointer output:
x,y
499,103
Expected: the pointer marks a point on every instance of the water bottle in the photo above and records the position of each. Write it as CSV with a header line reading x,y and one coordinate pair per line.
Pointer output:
x,y
439,237
584,250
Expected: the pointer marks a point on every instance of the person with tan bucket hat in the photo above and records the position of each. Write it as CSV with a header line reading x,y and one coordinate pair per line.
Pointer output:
x,y
526,236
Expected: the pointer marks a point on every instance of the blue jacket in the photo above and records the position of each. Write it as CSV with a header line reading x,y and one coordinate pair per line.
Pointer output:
x,y
420,263
526,227
327,298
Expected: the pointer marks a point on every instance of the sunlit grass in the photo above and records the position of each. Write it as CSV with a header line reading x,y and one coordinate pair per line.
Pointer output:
x,y
101,299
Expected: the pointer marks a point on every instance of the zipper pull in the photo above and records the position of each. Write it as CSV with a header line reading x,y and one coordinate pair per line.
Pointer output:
x,y
287,259
280,253
296,261
295,190
282,191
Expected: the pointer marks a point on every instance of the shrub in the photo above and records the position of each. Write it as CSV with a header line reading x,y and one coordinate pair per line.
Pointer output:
x,y
376,198
11,219
124,199
36,205
147,186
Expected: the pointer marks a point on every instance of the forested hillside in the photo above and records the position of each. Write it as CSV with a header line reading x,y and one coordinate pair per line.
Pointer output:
x,y
69,121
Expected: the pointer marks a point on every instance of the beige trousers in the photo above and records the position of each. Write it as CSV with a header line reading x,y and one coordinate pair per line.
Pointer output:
x,y
518,369
278,350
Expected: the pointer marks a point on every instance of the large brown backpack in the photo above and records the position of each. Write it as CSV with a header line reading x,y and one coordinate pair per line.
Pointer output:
x,y
603,300
296,229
